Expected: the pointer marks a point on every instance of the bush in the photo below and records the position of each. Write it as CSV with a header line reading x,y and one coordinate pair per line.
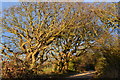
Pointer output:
x,y
85,62
109,65
12,70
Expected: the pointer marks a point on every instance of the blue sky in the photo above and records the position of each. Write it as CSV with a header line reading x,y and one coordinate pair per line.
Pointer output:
x,y
9,3
6,5
66,0
9,0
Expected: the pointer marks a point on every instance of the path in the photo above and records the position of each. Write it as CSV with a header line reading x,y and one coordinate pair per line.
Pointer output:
x,y
88,74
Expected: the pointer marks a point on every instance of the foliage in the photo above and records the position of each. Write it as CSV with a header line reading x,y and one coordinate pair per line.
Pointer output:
x,y
62,34
85,62
109,66
12,70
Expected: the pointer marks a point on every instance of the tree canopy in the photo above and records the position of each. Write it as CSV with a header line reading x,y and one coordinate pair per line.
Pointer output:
x,y
57,32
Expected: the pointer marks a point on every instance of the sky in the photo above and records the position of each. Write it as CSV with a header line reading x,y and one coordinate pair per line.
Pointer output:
x,y
6,5
9,3
63,0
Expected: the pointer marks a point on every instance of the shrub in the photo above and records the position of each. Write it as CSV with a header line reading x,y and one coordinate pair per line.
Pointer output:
x,y
109,65
12,70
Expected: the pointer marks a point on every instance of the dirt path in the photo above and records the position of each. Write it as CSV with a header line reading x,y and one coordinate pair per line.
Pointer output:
x,y
88,74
